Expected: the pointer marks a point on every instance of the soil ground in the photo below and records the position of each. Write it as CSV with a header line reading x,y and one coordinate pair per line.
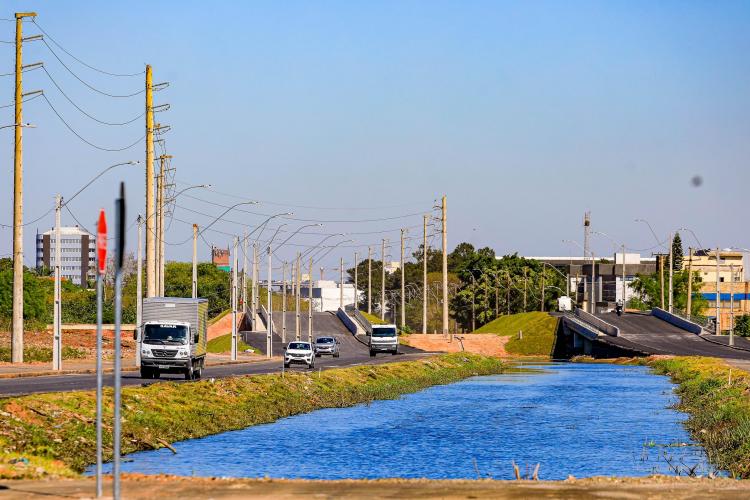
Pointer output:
x,y
80,339
487,344
137,486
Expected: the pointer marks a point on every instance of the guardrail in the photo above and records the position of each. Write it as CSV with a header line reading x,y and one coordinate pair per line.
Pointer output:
x,y
599,323
347,321
363,321
263,313
677,321
708,325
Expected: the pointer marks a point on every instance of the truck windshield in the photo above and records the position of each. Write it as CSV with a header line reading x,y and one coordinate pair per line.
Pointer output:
x,y
165,334
384,332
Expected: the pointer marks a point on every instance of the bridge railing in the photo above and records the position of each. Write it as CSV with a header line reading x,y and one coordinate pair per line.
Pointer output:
x,y
705,323
347,321
363,321
677,320
599,323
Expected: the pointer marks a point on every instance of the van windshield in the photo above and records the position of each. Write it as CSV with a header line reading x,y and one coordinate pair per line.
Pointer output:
x,y
165,334
384,332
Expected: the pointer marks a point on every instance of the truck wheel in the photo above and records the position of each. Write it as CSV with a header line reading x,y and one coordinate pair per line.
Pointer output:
x,y
146,372
198,373
286,365
189,373
394,352
372,354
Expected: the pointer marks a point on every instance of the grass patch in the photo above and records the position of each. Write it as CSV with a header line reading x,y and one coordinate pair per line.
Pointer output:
x,y
374,320
60,426
719,408
223,344
43,354
538,332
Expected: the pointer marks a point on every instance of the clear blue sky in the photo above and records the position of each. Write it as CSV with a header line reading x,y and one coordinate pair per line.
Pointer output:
x,y
526,114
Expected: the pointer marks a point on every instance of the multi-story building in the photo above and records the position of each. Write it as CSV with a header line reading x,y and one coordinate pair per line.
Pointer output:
x,y
220,258
77,253
703,262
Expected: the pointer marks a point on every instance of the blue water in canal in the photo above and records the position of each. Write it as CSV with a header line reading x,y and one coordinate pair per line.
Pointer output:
x,y
579,419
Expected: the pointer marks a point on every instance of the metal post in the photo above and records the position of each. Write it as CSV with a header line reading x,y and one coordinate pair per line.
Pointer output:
x,y
382,280
195,262
356,281
473,313
310,304
269,323
99,378
283,303
161,249
624,287
661,278
718,294
689,306
671,271
254,293
369,280
57,333
150,233
445,264
139,293
119,255
297,325
403,285
593,283
731,304
543,294
234,299
424,274
525,286
341,283
244,272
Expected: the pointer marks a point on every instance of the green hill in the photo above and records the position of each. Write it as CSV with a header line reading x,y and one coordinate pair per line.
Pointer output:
x,y
538,332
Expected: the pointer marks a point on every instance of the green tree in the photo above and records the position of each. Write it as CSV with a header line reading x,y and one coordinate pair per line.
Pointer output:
x,y
742,325
677,253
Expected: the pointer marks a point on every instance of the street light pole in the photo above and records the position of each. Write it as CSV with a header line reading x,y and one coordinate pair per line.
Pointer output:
x,y
138,293
403,299
731,304
234,299
57,341
269,323
718,294
369,280
424,274
671,271
382,281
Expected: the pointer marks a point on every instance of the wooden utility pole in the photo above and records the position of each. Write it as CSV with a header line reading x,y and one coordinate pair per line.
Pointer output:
x,y
310,305
16,354
57,319
718,293
195,261
283,302
297,327
369,280
689,306
445,264
525,286
253,285
424,274
139,292
382,280
341,283
507,293
356,281
403,286
234,300
661,278
150,209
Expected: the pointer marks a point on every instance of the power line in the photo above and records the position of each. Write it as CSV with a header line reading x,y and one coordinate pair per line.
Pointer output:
x,y
86,83
22,100
84,112
47,35
85,140
22,71
45,214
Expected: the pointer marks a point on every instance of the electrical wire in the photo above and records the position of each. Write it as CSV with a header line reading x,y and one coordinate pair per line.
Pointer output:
x,y
45,214
85,82
22,101
47,35
85,140
83,111
22,71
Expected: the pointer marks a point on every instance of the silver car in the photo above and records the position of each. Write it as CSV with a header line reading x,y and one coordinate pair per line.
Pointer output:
x,y
327,345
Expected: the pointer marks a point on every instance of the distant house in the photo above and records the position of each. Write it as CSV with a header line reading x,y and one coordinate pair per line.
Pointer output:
x,y
77,253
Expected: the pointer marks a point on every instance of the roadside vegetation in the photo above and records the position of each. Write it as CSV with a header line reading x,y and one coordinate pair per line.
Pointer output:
x,y
538,332
716,396
54,434
42,354
374,320
223,343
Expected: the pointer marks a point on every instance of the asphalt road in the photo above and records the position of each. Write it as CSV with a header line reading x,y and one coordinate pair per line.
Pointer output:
x,y
655,336
352,353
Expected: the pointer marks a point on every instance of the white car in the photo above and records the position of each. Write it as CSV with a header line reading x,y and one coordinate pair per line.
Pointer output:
x,y
299,352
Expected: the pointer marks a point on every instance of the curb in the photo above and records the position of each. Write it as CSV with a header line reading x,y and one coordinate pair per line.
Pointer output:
x,y
88,371
737,348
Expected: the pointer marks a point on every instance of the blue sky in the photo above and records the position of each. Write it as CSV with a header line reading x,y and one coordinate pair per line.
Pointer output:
x,y
526,114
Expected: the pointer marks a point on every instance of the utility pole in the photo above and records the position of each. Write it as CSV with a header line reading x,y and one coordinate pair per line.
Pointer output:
x,y
593,283
525,286
369,280
16,354
661,278
244,271
689,306
269,323
341,283
382,280
445,264
283,302
671,271
57,335
297,326
718,294
473,312
234,299
403,286
310,308
159,227
624,288
542,306
507,293
586,252
731,304
321,272
356,281
424,274
195,261
150,233
139,289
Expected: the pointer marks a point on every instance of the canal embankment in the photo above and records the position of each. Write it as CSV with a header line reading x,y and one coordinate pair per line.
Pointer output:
x,y
54,434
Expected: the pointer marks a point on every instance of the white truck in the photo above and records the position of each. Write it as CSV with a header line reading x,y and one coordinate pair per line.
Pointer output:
x,y
383,338
173,336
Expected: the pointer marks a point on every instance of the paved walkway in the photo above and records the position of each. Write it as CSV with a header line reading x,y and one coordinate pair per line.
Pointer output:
x,y
77,366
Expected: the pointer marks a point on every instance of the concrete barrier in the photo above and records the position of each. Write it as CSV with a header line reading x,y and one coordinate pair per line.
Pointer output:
x,y
599,323
347,321
677,321
363,321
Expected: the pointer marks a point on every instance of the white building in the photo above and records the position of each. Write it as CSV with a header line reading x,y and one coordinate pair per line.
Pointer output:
x,y
326,295
77,253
